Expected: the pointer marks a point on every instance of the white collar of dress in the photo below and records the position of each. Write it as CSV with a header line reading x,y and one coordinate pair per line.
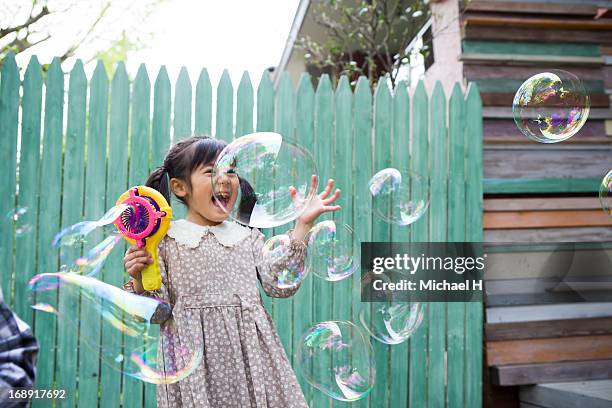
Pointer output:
x,y
189,234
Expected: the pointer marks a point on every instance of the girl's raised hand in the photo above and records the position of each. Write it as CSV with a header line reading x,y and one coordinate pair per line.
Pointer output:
x,y
320,203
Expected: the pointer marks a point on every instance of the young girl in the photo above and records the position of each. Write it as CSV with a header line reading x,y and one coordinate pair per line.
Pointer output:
x,y
210,267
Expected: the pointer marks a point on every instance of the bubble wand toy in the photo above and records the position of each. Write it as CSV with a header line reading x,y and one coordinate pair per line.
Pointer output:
x,y
144,223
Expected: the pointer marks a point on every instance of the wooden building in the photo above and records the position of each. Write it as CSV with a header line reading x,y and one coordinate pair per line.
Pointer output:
x,y
539,340
534,194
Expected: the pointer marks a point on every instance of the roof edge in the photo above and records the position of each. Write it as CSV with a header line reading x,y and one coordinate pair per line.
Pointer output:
x,y
296,26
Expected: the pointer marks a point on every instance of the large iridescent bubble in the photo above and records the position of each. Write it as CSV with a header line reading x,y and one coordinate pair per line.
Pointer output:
x,y
75,234
277,248
336,357
399,197
120,314
267,165
551,106
605,193
93,261
332,253
391,323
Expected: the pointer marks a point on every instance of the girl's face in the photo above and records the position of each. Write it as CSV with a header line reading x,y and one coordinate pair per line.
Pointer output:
x,y
202,200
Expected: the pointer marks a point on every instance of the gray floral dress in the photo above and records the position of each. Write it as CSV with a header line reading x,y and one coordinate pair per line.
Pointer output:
x,y
209,277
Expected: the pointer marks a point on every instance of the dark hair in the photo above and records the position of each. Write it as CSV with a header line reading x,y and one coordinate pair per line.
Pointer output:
x,y
186,156
181,160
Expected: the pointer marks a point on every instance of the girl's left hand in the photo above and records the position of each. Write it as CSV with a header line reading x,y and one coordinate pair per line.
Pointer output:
x,y
319,204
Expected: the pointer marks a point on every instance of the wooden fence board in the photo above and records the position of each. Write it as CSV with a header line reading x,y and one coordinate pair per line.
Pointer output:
x,y
9,115
474,198
244,106
162,137
419,163
343,176
225,108
323,154
265,123
302,316
381,231
26,226
161,117
362,134
203,104
438,221
182,106
456,233
72,206
285,125
117,171
400,154
94,194
140,166
51,180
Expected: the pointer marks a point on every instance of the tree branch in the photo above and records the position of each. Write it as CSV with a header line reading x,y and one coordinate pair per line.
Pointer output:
x,y
33,19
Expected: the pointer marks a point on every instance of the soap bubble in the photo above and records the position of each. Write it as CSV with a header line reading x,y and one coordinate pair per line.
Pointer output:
x,y
22,227
332,252
551,107
121,314
44,307
76,233
336,357
391,323
605,189
16,213
277,248
92,262
266,165
399,197
22,230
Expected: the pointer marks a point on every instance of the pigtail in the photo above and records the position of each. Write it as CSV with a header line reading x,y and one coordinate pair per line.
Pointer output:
x,y
158,180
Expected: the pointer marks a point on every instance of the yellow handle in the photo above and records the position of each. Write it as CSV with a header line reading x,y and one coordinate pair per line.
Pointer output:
x,y
151,275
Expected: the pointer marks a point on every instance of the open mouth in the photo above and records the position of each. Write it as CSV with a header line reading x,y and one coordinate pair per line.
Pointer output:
x,y
221,200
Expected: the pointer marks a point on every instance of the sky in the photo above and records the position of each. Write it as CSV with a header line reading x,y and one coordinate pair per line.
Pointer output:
x,y
237,35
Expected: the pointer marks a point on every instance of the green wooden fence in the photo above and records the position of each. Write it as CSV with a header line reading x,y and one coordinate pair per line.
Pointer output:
x,y
117,130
